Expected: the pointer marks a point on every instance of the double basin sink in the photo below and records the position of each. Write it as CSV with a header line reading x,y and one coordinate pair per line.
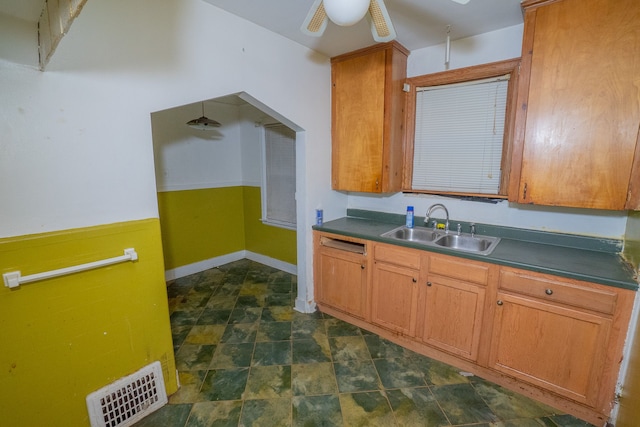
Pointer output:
x,y
482,245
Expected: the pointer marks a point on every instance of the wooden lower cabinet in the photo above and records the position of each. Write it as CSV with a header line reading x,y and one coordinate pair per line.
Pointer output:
x,y
394,288
341,274
561,349
452,316
555,339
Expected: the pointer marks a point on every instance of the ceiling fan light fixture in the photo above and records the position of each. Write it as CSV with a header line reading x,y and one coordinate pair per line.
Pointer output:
x,y
203,123
346,12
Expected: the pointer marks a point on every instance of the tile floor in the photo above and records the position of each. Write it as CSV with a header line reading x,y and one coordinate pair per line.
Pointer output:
x,y
246,358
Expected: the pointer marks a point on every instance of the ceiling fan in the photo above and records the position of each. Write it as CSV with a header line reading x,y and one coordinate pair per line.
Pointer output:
x,y
349,12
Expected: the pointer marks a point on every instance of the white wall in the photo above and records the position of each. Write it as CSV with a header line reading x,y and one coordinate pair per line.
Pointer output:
x,y
491,47
76,142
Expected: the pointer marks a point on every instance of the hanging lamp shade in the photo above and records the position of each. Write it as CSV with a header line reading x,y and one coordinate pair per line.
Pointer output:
x,y
203,123
346,13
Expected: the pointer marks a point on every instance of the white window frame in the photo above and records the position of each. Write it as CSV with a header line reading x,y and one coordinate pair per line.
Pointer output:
x,y
453,81
271,215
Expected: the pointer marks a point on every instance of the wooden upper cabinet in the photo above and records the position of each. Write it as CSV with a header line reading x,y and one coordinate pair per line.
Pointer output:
x,y
367,118
578,108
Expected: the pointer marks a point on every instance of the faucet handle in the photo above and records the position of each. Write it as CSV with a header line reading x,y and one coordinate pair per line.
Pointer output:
x,y
459,228
473,229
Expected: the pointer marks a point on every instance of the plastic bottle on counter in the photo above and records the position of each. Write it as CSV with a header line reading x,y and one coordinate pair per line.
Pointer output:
x,y
409,222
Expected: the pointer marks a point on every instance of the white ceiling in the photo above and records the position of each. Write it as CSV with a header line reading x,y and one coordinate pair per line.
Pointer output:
x,y
418,23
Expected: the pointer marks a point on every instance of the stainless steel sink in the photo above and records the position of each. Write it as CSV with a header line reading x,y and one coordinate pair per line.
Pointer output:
x,y
482,245
465,242
416,234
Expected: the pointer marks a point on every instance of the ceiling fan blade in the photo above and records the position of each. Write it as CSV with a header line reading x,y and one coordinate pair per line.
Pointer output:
x,y
461,1
316,21
381,25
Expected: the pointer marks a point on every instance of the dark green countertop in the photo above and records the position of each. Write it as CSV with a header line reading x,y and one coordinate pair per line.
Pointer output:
x,y
599,266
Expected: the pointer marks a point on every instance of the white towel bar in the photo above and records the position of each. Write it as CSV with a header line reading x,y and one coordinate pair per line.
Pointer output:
x,y
13,278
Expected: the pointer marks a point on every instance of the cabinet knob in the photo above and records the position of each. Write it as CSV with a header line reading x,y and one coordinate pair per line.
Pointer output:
x,y
414,280
549,292
499,302
362,266
428,283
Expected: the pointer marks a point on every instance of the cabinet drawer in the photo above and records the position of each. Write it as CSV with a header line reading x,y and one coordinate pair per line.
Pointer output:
x,y
552,290
397,255
459,268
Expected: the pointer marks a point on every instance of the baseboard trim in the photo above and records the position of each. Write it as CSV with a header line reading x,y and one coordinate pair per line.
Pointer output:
x,y
199,266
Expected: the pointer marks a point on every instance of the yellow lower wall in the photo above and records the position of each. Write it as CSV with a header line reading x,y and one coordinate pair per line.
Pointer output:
x,y
198,225
63,338
274,242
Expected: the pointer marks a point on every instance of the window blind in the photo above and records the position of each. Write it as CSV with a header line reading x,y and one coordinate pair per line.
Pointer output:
x,y
279,204
459,133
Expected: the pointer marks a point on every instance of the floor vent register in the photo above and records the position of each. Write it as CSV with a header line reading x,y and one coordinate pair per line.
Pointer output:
x,y
128,399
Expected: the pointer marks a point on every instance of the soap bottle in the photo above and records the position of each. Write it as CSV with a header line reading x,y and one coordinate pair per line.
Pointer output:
x,y
409,223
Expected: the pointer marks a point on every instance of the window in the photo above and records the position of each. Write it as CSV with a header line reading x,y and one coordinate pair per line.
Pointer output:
x,y
279,176
459,130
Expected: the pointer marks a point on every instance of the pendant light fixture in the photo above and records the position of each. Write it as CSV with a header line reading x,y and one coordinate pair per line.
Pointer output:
x,y
203,123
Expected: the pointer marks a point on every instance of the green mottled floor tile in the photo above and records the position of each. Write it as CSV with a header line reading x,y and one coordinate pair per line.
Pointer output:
x,y
282,287
232,356
168,415
277,314
397,373
462,405
274,331
416,407
313,379
305,329
214,316
274,300
190,383
266,413
181,317
438,373
569,421
227,289
224,384
245,315
221,302
241,332
178,334
272,353
193,357
509,405
311,350
346,348
268,382
250,301
356,375
524,422
205,334
338,328
317,411
369,409
215,414
380,348
254,289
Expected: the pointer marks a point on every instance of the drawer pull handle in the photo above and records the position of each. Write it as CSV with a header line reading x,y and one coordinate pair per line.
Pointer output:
x,y
499,302
428,283
549,292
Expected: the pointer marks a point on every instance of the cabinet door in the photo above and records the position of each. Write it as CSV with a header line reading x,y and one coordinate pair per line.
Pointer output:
x,y
394,297
453,316
578,115
560,349
358,119
342,281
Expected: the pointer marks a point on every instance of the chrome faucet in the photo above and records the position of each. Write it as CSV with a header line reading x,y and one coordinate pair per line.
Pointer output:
x,y
434,207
